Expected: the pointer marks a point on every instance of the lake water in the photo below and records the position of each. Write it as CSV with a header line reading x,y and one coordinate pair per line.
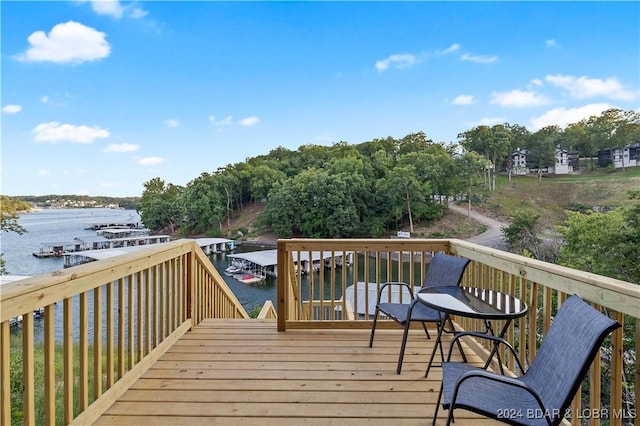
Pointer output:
x,y
63,225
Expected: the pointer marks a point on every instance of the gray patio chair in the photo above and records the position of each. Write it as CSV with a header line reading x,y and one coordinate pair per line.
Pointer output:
x,y
444,270
544,392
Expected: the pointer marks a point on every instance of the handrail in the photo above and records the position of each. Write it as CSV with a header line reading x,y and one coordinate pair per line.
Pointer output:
x,y
268,311
137,305
542,285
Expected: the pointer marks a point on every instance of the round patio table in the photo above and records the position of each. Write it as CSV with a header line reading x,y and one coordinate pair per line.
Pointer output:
x,y
472,302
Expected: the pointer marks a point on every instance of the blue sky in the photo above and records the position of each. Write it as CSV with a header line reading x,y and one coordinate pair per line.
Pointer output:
x,y
100,97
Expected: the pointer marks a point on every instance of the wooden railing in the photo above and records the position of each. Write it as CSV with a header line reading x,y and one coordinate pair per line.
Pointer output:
x,y
541,285
104,324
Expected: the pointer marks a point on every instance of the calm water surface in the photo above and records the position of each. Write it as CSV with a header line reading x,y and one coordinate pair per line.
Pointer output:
x,y
63,225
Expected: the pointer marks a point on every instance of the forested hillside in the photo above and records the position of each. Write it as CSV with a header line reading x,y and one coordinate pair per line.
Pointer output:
x,y
368,189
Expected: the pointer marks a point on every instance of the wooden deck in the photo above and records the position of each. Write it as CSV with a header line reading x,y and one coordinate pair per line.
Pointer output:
x,y
243,372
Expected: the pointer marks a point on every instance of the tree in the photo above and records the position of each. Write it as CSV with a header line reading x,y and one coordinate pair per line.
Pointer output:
x,y
263,178
160,205
603,243
228,182
401,191
9,220
522,233
282,209
469,169
492,142
204,206
542,148
518,137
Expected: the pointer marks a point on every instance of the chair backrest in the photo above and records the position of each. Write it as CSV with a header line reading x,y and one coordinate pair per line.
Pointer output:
x,y
566,353
445,269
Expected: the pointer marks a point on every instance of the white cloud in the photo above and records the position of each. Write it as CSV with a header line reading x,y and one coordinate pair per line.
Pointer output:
x,y
172,123
108,7
151,161
453,48
564,116
249,121
137,13
464,100
518,99
478,58
44,99
585,87
11,109
70,42
224,122
536,82
56,132
551,43
401,60
43,172
122,147
115,9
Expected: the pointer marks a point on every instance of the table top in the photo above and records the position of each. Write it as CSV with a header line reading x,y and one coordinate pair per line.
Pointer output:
x,y
473,302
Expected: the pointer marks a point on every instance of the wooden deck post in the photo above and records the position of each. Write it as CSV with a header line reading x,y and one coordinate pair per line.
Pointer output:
x,y
283,273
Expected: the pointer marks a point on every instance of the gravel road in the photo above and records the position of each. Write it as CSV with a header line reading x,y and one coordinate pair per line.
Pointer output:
x,y
493,236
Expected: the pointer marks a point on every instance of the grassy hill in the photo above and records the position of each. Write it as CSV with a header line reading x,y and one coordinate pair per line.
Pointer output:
x,y
599,190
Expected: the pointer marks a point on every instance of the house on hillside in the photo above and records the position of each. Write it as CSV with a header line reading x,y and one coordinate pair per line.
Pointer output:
x,y
565,163
629,156
561,166
519,162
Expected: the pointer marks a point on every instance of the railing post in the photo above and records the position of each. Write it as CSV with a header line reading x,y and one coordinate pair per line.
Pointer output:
x,y
191,270
281,294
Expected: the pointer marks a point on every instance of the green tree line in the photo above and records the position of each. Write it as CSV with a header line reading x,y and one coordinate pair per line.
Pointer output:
x,y
337,191
371,188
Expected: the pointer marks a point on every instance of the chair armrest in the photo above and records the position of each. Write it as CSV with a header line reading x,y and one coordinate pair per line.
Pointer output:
x,y
509,381
394,283
497,341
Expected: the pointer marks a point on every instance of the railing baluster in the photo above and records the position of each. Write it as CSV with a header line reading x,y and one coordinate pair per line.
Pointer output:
x,y
110,342
49,366
139,314
28,395
97,342
68,360
130,323
83,363
120,335
5,375
147,311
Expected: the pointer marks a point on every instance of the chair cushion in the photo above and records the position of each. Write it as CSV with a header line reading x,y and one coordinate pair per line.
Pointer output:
x,y
488,397
398,312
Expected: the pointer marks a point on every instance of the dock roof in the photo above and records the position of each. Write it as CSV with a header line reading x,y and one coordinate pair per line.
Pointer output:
x,y
270,257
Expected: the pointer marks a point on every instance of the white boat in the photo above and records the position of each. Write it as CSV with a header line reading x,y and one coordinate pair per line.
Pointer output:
x,y
232,270
236,267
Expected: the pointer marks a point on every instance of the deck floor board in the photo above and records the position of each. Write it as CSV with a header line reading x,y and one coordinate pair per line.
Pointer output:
x,y
232,372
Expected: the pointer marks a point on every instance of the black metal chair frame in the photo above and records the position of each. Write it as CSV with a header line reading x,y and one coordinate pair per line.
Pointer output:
x,y
415,311
525,395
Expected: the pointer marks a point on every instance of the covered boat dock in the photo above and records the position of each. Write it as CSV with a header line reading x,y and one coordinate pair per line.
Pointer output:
x,y
265,262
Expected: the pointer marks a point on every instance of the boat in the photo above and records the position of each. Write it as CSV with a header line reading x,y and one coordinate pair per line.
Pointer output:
x,y
232,270
250,278
236,267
